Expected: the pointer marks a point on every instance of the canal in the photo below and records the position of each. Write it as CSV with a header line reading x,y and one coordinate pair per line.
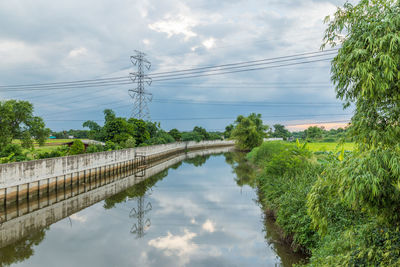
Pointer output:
x,y
195,211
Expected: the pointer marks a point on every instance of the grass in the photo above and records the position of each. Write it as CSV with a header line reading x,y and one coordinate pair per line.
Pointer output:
x,y
330,147
49,142
50,145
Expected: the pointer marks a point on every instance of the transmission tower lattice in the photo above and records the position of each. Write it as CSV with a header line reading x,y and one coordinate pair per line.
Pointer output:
x,y
142,225
139,95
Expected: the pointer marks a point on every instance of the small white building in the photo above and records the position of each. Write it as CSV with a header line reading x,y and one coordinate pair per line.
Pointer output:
x,y
273,139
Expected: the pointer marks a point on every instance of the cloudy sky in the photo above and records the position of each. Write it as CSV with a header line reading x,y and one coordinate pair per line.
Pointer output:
x,y
43,41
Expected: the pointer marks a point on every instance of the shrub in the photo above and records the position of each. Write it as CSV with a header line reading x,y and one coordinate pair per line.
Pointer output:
x,y
77,147
288,175
95,148
12,153
130,143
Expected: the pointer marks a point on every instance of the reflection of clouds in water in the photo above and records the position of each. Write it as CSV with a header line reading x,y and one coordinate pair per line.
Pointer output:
x,y
171,204
223,227
208,226
176,245
78,218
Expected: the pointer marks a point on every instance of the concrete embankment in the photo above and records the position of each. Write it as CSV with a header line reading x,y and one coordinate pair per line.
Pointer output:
x,y
24,179
28,215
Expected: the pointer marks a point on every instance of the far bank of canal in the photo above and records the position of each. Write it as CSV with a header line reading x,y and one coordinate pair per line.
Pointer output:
x,y
199,212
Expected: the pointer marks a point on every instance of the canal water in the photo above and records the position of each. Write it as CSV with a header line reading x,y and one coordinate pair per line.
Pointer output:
x,y
201,211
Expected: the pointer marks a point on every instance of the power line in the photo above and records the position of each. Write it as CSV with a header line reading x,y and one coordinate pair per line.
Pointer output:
x,y
320,122
245,70
218,103
218,118
242,103
111,80
237,65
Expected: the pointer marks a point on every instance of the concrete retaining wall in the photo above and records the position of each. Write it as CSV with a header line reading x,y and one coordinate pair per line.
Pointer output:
x,y
30,216
13,174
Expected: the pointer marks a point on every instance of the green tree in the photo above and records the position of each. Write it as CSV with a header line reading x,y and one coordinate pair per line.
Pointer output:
x,y
140,130
280,131
130,143
175,134
152,128
202,132
192,136
249,131
366,74
313,132
118,130
228,130
366,70
77,148
109,115
17,121
95,132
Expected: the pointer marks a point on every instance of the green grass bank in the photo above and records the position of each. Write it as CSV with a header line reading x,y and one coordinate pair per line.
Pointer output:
x,y
321,207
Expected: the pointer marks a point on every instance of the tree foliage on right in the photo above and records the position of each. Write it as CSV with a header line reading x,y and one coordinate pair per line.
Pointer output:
x,y
366,74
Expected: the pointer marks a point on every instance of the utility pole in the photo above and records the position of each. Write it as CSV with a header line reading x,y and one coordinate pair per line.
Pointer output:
x,y
139,95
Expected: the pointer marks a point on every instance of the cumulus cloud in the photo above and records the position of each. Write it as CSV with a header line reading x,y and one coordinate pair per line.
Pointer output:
x,y
209,43
78,218
15,52
181,246
208,226
175,25
77,52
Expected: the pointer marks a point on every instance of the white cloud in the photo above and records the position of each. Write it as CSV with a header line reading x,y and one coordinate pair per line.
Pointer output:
x,y
17,52
208,226
81,51
146,41
209,43
176,245
175,25
78,218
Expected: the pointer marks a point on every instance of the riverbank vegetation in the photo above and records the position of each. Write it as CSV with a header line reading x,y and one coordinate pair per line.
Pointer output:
x,y
343,208
24,137
340,208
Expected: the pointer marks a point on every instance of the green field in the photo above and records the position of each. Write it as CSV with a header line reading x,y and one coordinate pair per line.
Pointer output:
x,y
50,145
49,142
330,147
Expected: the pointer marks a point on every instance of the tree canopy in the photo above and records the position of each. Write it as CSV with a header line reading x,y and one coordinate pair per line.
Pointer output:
x,y
366,70
281,132
17,121
249,132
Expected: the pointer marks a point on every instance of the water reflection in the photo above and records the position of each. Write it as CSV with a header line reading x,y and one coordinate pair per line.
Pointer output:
x,y
190,214
22,249
241,167
246,175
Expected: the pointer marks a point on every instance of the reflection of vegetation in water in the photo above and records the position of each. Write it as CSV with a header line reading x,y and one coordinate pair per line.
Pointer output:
x,y
135,191
273,236
246,175
22,249
197,161
244,171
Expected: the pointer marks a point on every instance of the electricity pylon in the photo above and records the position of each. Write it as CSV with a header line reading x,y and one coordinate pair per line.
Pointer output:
x,y
142,225
139,95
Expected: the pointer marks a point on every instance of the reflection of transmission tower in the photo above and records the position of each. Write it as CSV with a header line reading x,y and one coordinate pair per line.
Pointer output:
x,y
141,226
139,95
